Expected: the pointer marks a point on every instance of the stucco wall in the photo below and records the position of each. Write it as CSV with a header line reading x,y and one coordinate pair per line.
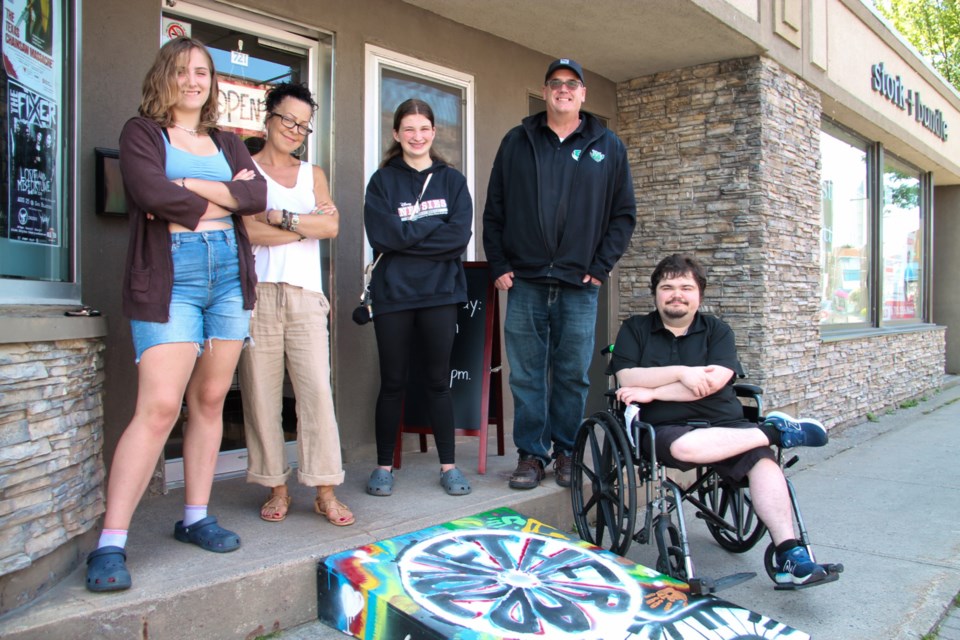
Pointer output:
x,y
725,163
946,263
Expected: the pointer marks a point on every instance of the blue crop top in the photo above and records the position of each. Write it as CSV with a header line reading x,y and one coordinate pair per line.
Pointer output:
x,y
183,164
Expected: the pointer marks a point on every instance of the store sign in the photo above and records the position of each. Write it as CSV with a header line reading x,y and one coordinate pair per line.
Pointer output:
x,y
242,106
907,100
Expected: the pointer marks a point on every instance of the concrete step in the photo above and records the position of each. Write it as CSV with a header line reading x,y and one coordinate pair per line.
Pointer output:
x,y
180,591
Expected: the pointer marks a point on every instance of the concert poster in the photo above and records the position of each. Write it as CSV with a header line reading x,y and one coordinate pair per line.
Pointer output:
x,y
32,144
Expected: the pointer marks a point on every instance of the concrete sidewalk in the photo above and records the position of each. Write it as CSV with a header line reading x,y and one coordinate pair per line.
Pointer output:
x,y
883,498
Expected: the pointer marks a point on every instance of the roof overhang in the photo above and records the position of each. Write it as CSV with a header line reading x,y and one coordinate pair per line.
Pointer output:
x,y
617,39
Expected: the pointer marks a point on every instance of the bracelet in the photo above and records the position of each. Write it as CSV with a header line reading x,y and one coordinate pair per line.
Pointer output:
x,y
290,222
183,183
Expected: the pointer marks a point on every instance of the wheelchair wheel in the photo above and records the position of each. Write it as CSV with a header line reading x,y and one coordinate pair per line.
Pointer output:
x,y
603,492
732,505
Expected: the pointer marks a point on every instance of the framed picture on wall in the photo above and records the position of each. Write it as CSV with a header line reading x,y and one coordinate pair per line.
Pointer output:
x,y
110,197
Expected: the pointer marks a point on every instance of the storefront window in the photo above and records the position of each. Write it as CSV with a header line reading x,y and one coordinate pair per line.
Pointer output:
x,y
873,249
845,240
901,231
393,78
36,221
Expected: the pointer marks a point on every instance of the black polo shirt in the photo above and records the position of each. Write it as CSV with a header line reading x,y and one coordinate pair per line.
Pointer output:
x,y
643,341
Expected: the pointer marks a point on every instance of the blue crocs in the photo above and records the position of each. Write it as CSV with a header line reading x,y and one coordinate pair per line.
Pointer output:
x,y
454,482
796,567
380,483
803,432
107,570
207,534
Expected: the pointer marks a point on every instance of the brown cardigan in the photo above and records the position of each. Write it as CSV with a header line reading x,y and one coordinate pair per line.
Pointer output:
x,y
148,280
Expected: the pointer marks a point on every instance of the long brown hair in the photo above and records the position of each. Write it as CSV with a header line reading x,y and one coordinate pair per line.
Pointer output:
x,y
406,108
160,90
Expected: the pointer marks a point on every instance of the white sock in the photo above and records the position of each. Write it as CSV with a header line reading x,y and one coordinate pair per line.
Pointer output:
x,y
193,513
113,538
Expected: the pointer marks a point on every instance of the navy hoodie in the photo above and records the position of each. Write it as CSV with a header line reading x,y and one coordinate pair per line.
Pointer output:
x,y
600,215
421,237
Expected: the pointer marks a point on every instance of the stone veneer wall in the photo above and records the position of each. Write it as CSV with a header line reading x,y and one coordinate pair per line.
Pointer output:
x,y
725,161
51,430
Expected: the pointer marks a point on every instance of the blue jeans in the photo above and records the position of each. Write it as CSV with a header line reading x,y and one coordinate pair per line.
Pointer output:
x,y
207,301
549,335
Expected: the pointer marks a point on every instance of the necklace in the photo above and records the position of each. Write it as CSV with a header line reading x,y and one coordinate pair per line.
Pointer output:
x,y
192,132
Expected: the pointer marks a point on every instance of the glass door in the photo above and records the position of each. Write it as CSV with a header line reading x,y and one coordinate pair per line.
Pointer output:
x,y
250,57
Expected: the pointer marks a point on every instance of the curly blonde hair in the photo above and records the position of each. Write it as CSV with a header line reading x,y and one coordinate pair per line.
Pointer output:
x,y
160,90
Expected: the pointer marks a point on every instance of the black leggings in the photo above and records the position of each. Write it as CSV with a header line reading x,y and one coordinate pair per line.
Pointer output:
x,y
433,330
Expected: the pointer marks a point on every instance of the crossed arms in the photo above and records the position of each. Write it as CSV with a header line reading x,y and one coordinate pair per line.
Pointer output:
x,y
674,383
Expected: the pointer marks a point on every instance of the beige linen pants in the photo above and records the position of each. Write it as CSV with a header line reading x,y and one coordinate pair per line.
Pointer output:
x,y
289,327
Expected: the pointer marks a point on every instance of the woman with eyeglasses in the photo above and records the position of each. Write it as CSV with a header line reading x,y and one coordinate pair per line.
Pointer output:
x,y
289,324
418,216
188,290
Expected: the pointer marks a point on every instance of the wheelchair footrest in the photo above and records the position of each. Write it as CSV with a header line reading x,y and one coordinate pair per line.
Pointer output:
x,y
704,586
833,574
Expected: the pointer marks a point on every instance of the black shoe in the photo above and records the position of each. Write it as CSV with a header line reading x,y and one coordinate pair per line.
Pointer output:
x,y
528,474
562,469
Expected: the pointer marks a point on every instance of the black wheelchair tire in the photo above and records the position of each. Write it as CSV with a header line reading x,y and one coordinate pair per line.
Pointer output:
x,y
733,505
669,552
603,491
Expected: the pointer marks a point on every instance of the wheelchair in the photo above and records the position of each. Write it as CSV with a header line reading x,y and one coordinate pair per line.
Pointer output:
x,y
612,460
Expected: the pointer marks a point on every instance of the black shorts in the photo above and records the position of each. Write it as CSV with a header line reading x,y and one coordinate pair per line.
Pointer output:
x,y
734,469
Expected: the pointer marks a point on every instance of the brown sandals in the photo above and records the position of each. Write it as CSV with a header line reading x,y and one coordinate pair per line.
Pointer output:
x,y
275,508
335,511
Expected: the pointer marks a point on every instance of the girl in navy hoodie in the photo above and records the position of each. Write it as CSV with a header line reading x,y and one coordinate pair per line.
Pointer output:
x,y
418,216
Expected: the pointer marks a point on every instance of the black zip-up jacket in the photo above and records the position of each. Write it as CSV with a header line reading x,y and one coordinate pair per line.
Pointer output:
x,y
421,238
600,214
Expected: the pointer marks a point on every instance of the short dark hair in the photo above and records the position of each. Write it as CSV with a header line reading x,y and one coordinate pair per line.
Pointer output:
x,y
676,265
295,90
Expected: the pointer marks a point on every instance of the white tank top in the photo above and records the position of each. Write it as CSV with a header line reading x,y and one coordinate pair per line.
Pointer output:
x,y
296,263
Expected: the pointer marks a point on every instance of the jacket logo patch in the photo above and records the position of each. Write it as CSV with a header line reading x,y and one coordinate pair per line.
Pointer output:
x,y
596,156
576,154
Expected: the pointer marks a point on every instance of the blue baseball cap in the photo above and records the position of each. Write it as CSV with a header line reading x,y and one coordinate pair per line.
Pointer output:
x,y
564,63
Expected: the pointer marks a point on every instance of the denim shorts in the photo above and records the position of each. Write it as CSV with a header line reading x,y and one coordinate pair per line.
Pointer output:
x,y
207,300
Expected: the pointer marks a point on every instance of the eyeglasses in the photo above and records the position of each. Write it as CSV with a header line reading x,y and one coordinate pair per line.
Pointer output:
x,y
572,85
290,123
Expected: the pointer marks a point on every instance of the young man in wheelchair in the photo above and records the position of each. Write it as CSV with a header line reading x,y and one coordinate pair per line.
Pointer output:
x,y
680,365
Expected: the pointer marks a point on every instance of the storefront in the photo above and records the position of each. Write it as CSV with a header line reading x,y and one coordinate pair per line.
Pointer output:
x,y
800,149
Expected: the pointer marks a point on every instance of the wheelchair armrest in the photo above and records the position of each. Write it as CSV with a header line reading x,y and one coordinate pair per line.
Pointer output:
x,y
744,390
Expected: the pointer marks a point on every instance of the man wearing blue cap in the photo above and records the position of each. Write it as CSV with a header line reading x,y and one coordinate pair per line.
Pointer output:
x,y
559,214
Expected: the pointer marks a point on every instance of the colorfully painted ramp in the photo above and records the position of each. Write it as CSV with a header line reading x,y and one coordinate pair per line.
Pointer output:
x,y
500,574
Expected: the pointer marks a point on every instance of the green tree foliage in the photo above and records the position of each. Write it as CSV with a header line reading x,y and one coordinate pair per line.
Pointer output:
x,y
933,27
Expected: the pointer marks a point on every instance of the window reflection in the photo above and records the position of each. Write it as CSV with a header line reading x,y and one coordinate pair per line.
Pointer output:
x,y
445,100
845,242
902,242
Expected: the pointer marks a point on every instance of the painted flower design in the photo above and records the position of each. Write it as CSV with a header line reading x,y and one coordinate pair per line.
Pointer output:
x,y
520,585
